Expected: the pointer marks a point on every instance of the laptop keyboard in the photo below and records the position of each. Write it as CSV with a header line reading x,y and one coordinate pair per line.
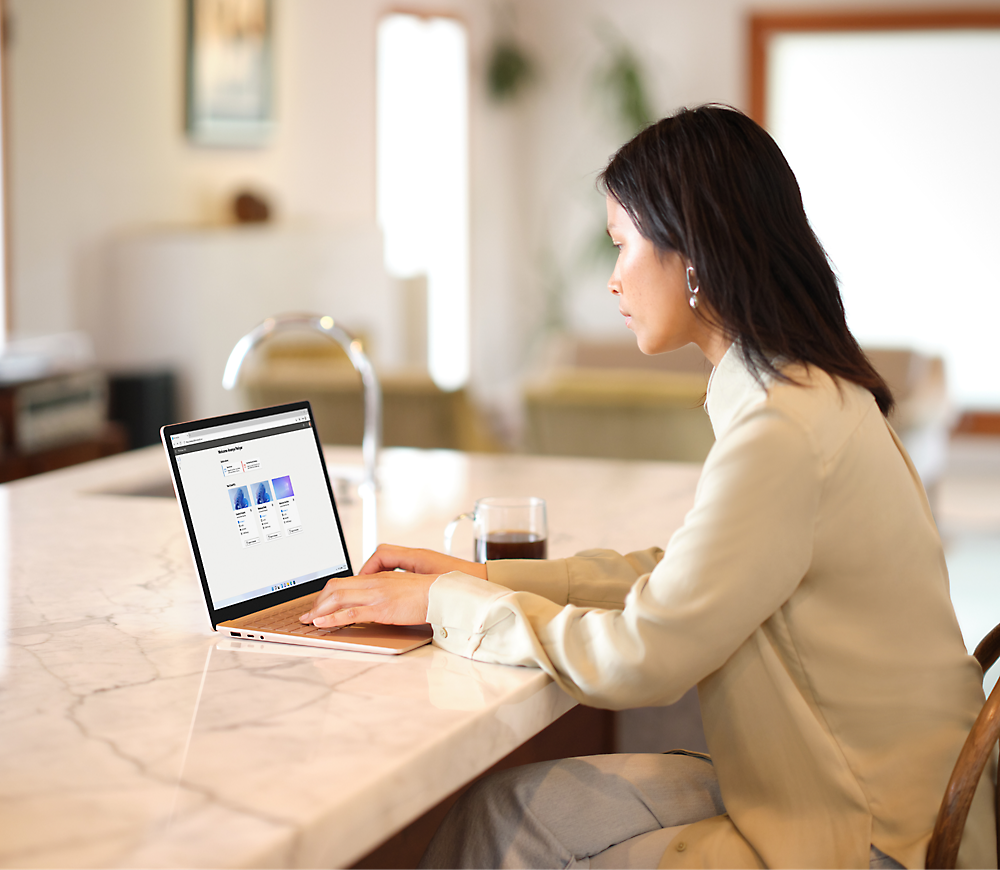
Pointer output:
x,y
282,619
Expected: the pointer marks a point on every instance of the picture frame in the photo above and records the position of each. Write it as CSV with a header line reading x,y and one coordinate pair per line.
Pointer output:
x,y
229,73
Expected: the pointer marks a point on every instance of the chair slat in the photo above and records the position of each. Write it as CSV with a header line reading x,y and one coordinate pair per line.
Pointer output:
x,y
942,850
988,650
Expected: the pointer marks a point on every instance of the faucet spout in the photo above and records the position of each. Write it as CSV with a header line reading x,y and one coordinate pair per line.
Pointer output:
x,y
371,442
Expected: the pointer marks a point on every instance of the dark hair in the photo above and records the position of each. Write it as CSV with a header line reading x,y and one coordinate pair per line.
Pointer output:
x,y
712,185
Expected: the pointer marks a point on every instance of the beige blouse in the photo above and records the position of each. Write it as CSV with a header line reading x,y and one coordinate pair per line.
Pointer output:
x,y
807,596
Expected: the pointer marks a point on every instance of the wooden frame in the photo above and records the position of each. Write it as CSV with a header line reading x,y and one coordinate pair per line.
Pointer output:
x,y
229,72
946,838
764,26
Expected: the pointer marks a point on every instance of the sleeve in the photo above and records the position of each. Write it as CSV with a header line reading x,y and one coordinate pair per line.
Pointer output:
x,y
741,552
593,578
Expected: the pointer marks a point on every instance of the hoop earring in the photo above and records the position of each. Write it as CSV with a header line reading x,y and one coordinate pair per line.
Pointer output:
x,y
692,291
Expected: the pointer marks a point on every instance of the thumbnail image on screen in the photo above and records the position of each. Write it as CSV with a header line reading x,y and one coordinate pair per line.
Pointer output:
x,y
261,493
239,497
283,487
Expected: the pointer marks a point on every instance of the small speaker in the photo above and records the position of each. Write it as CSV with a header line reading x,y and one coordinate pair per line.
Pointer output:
x,y
142,402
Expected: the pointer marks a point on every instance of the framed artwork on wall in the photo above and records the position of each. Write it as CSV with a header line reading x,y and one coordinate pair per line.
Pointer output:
x,y
229,72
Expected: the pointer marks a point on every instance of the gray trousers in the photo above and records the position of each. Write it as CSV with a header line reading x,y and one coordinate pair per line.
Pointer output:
x,y
603,811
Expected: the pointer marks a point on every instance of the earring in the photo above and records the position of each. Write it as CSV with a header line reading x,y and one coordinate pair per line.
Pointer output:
x,y
693,291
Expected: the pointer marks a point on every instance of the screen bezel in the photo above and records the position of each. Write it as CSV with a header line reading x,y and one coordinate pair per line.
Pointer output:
x,y
270,599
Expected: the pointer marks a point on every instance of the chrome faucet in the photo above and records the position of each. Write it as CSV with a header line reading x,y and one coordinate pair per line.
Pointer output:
x,y
371,441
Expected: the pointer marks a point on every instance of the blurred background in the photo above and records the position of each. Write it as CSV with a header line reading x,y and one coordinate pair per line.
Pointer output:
x,y
179,170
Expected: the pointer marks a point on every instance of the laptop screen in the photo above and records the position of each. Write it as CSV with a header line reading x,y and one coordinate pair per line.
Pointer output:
x,y
260,512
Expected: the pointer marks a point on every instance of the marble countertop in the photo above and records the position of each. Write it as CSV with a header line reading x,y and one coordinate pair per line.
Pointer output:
x,y
132,735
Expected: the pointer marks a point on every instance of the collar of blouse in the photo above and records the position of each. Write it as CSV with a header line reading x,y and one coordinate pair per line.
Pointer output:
x,y
730,387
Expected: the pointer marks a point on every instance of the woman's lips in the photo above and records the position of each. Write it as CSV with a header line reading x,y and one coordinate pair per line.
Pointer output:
x,y
628,317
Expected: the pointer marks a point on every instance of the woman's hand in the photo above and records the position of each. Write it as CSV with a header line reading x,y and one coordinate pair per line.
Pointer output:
x,y
382,594
390,558
392,598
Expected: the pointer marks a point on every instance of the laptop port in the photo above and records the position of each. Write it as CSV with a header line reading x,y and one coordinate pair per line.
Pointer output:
x,y
236,634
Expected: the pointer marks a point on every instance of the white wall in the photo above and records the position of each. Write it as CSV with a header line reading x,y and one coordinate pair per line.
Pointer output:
x,y
97,144
97,148
692,52
181,299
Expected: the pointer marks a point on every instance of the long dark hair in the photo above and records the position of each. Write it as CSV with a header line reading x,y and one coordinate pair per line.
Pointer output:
x,y
713,186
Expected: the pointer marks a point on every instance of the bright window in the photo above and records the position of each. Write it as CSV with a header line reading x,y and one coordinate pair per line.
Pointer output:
x,y
893,137
423,188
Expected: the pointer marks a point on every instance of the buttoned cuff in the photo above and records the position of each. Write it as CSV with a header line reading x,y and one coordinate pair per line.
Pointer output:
x,y
458,607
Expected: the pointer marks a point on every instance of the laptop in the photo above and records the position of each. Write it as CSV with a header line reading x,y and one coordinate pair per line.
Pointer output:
x,y
264,530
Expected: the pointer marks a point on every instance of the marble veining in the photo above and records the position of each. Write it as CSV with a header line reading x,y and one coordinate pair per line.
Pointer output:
x,y
132,735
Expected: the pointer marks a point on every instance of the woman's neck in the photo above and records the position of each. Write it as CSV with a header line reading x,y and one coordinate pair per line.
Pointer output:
x,y
714,345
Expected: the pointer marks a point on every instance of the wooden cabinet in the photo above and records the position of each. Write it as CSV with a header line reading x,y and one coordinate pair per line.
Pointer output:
x,y
15,465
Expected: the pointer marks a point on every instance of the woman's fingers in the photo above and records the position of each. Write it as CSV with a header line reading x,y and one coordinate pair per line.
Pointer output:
x,y
389,557
337,594
389,598
348,616
356,605
380,593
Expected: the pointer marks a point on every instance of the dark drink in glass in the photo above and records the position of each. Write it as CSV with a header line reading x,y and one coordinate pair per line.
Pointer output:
x,y
505,527
511,545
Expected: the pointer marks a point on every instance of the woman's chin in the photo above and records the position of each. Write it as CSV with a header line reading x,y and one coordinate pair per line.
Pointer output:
x,y
652,348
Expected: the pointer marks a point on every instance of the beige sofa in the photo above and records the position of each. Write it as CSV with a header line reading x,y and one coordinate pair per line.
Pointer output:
x,y
606,398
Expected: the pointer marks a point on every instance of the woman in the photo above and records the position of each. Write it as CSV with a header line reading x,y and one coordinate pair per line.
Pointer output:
x,y
806,594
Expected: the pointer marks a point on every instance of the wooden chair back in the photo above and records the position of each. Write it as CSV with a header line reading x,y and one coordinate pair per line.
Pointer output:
x,y
942,851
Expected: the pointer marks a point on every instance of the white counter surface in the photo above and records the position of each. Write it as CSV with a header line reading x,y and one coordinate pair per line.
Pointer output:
x,y
132,735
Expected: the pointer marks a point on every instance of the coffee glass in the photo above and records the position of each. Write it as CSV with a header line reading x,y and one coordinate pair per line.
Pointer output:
x,y
505,528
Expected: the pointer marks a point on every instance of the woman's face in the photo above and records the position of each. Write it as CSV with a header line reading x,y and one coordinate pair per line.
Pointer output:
x,y
652,291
